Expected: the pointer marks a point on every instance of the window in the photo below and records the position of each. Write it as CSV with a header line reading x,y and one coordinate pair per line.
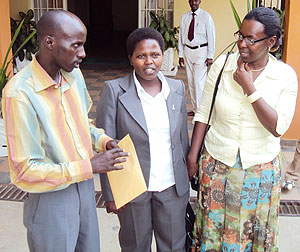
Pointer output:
x,y
271,3
41,6
145,6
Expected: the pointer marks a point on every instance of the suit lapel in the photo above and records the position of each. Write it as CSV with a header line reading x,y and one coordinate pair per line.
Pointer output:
x,y
174,102
132,103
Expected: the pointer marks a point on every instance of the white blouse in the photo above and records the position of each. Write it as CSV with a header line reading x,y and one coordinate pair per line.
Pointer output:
x,y
234,124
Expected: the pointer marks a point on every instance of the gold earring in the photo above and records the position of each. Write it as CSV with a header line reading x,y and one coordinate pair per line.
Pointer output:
x,y
274,49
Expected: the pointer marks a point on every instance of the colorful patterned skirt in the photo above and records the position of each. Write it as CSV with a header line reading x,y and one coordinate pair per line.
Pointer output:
x,y
237,210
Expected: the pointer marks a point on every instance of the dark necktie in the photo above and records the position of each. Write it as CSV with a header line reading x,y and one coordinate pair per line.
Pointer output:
x,y
191,28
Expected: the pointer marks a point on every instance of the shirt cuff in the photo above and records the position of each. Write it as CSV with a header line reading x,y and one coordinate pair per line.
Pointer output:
x,y
210,56
101,145
83,170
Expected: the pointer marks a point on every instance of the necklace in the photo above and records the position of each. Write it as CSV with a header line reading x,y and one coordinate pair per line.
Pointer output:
x,y
258,70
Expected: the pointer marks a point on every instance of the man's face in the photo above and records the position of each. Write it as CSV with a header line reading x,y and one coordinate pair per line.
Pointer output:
x,y
70,45
194,4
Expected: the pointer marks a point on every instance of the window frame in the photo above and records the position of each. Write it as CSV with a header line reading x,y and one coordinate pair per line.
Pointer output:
x,y
145,8
38,11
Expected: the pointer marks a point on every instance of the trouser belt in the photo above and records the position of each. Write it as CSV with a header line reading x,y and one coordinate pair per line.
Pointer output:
x,y
196,47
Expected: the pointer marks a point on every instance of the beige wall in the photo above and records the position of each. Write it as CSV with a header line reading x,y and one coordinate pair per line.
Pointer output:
x,y
18,5
221,13
4,31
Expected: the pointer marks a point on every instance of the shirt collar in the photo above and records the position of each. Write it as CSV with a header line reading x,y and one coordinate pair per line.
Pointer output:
x,y
270,70
165,90
42,79
196,12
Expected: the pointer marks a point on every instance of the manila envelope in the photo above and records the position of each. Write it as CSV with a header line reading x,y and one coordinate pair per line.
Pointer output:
x,y
128,183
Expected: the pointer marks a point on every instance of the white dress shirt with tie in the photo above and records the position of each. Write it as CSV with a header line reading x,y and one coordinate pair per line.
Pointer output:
x,y
204,32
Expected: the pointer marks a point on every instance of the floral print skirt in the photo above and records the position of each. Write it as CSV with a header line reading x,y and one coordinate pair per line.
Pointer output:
x,y
237,210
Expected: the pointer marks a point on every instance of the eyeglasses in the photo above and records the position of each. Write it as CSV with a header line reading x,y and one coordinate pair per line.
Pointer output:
x,y
249,41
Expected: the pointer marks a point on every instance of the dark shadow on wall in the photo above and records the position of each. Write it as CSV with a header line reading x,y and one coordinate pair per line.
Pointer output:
x,y
109,22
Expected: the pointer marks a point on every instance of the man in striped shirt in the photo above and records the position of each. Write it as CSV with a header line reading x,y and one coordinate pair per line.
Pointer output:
x,y
51,140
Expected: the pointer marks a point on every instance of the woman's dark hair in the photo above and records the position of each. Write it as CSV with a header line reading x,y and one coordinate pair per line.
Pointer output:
x,y
271,21
141,34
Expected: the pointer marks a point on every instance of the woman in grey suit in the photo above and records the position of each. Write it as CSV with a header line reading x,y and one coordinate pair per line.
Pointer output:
x,y
151,108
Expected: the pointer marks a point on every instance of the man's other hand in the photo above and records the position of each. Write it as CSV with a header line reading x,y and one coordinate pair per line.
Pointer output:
x,y
208,62
181,62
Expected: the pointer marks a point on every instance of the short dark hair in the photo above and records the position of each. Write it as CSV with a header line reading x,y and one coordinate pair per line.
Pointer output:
x,y
52,22
271,21
141,34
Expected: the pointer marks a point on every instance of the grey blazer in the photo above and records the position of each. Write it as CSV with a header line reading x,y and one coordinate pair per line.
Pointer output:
x,y
119,112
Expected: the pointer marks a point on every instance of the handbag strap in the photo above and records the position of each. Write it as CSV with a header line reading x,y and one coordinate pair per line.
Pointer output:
x,y
213,102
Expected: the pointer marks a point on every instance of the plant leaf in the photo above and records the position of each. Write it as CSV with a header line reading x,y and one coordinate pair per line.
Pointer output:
x,y
235,14
29,15
28,55
167,36
21,55
161,22
5,62
25,41
249,5
22,14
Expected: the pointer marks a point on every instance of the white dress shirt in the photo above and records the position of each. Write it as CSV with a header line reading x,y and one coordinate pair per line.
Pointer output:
x,y
204,32
234,124
158,125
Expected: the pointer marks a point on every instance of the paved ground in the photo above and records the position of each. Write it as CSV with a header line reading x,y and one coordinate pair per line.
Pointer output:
x,y
12,231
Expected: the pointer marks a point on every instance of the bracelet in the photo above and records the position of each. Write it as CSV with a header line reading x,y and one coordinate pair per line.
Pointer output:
x,y
254,96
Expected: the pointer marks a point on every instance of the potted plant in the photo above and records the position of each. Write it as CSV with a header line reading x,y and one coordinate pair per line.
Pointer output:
x,y
23,57
170,35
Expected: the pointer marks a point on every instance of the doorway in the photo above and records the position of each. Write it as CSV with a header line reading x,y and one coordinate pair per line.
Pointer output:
x,y
108,22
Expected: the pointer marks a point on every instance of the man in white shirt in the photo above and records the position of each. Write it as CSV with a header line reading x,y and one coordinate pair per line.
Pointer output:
x,y
197,44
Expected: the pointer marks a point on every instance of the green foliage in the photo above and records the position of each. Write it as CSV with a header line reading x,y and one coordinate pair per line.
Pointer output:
x,y
236,15
4,76
27,28
162,25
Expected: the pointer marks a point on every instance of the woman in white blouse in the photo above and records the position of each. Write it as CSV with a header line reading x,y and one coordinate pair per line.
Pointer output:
x,y
239,168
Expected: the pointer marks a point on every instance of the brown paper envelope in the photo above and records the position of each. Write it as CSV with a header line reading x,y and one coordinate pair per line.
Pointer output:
x,y
128,183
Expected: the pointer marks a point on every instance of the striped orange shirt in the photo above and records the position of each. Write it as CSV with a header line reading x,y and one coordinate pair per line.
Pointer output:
x,y
49,135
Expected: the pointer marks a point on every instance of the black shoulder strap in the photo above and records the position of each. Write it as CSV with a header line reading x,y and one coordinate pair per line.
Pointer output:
x,y
213,101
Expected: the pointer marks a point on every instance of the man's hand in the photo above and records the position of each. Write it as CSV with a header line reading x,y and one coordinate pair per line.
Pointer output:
x,y
208,62
181,62
109,160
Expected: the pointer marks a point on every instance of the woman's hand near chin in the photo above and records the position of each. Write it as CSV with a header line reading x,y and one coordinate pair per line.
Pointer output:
x,y
243,76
